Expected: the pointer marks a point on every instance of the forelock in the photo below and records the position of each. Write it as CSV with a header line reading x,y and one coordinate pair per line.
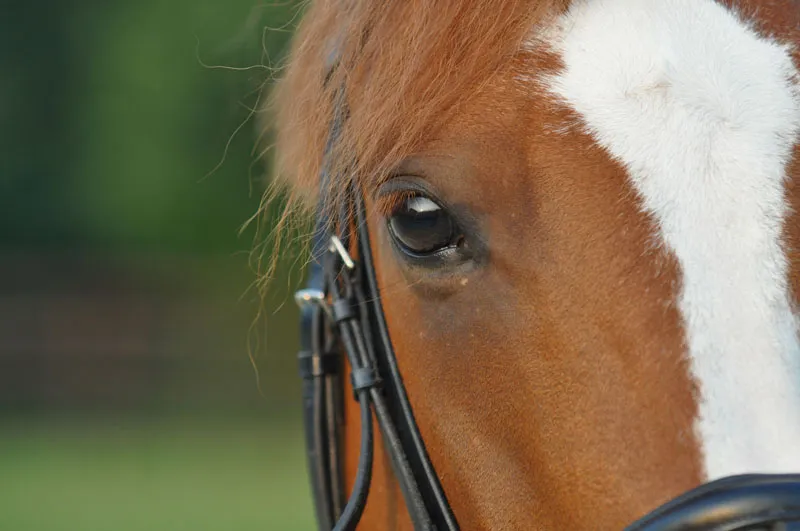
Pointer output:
x,y
404,67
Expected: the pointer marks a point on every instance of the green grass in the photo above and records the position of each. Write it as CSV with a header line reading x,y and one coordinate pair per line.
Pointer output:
x,y
123,475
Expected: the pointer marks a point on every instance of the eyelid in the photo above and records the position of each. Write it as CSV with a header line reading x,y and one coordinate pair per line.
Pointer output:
x,y
394,192
420,203
388,204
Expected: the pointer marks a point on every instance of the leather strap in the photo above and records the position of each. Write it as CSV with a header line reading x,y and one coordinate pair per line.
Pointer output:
x,y
750,502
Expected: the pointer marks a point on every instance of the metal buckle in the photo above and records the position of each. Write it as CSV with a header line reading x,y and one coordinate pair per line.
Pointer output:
x,y
316,297
313,297
309,297
337,247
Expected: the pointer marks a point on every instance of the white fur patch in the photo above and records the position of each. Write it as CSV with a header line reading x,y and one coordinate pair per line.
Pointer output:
x,y
703,112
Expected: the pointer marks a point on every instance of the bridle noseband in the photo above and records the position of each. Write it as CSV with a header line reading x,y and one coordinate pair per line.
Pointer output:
x,y
342,319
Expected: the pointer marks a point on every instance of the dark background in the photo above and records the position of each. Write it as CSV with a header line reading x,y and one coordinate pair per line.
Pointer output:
x,y
128,310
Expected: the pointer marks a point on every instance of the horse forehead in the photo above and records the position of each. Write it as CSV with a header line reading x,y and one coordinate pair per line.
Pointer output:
x,y
699,109
638,66
703,113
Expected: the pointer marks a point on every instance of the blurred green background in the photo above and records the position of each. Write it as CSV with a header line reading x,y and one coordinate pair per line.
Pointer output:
x,y
128,400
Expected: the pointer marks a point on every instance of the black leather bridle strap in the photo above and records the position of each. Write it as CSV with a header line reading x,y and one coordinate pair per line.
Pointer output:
x,y
350,316
342,316
348,305
320,364
404,423
755,502
393,444
320,369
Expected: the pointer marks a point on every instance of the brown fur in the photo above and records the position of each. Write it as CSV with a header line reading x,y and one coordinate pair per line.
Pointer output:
x,y
550,385
533,401
406,66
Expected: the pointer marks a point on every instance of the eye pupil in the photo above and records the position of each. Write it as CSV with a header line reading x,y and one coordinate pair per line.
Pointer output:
x,y
422,226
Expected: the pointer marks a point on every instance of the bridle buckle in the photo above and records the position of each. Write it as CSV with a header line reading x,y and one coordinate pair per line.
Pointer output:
x,y
307,297
336,246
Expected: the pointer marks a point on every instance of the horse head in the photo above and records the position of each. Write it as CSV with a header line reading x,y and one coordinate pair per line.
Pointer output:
x,y
581,217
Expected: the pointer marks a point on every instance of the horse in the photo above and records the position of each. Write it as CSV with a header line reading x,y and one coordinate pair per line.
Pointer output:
x,y
581,221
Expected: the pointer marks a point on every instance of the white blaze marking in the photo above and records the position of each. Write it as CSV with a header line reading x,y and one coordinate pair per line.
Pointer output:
x,y
703,113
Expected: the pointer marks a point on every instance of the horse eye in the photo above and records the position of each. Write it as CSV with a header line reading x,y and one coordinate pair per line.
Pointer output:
x,y
421,226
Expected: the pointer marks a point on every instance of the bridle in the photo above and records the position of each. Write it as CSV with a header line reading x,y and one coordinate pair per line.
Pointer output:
x,y
342,319
342,313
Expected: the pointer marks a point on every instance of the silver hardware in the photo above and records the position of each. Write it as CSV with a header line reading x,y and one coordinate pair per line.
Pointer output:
x,y
308,297
338,247
313,297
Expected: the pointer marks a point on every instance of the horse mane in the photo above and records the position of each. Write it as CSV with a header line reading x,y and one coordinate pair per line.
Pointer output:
x,y
404,67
